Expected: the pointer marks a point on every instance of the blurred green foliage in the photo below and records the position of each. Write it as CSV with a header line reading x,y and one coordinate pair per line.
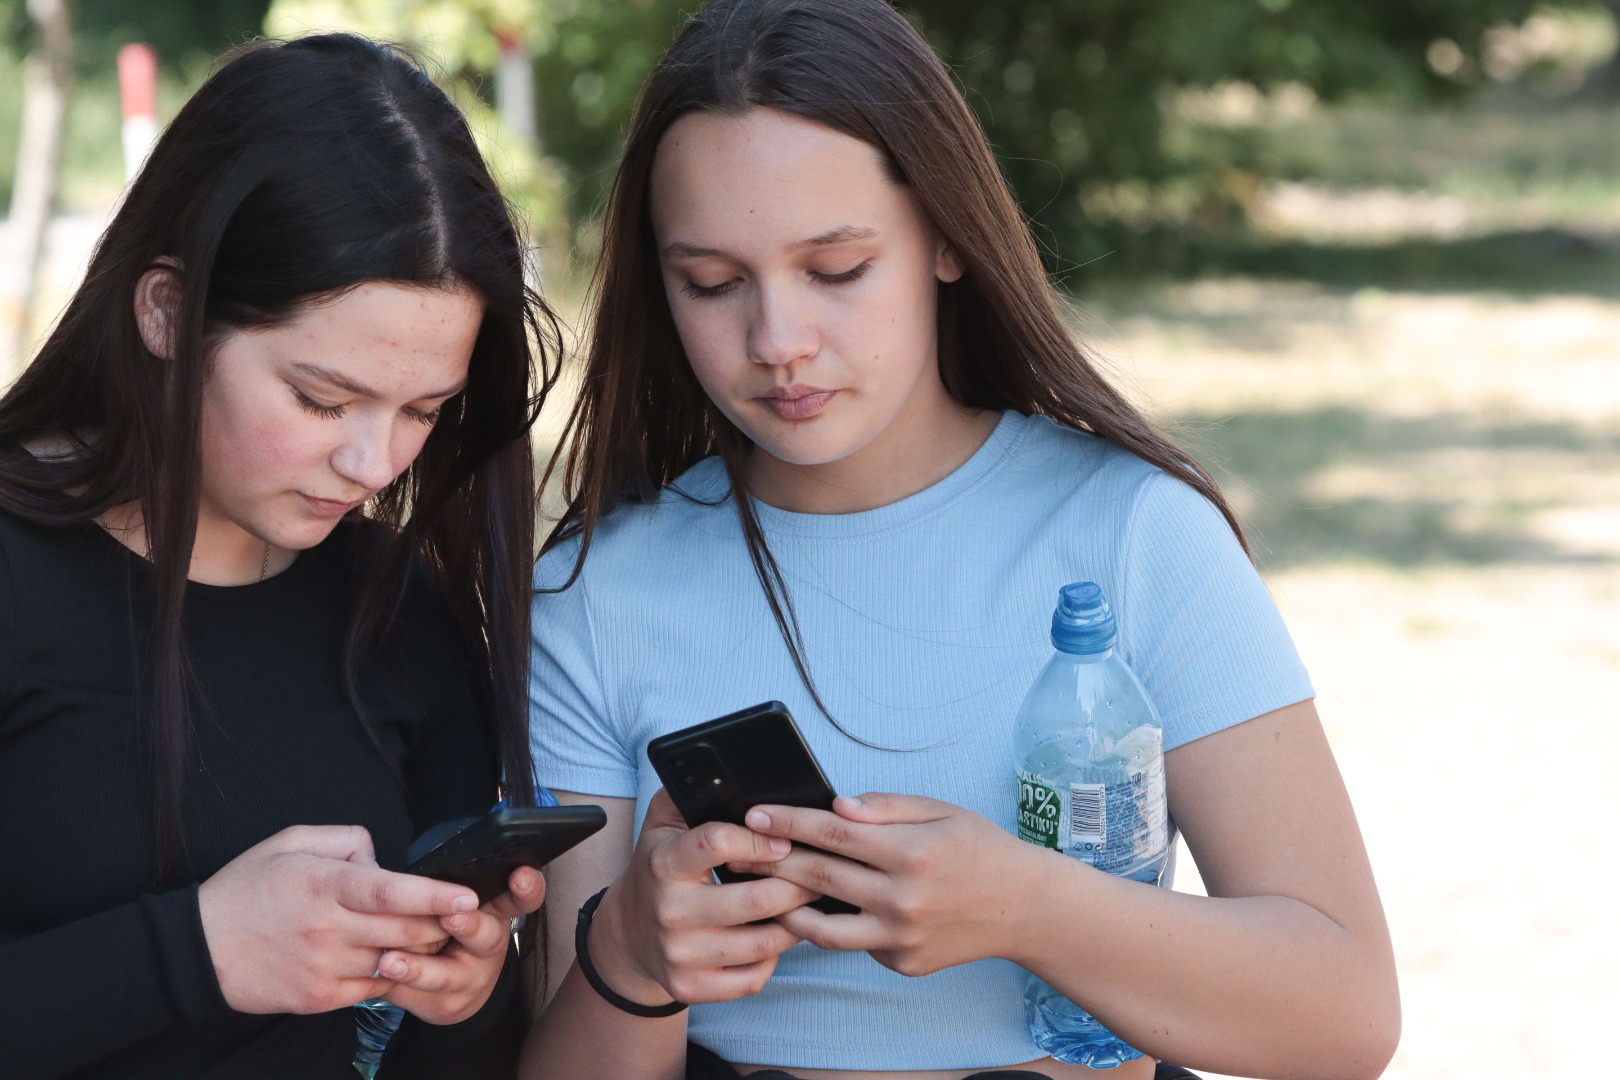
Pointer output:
x,y
1076,97
187,34
1082,99
459,41
1074,94
590,59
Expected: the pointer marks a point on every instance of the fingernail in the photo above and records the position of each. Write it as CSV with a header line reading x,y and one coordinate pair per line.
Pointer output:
x,y
779,846
853,800
393,967
758,819
465,903
456,923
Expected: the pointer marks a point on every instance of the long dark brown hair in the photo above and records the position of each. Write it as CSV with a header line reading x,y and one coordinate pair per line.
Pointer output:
x,y
300,170
857,67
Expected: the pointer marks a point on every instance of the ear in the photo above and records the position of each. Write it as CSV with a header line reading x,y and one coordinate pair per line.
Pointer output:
x,y
947,264
157,307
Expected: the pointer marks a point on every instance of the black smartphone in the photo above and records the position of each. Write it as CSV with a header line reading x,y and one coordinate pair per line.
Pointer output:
x,y
482,852
717,770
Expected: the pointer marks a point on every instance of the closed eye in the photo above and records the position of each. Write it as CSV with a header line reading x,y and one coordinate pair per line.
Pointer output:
x,y
335,412
705,292
310,405
854,273
425,417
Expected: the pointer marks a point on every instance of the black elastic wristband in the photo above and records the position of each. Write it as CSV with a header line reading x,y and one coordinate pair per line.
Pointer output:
x,y
582,957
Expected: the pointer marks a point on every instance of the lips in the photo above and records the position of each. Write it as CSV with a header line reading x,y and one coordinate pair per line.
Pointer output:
x,y
328,507
796,402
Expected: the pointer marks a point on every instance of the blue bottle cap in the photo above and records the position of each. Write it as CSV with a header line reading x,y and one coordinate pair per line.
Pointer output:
x,y
1083,622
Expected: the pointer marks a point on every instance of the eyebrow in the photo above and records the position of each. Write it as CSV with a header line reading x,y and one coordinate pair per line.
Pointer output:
x,y
841,235
360,389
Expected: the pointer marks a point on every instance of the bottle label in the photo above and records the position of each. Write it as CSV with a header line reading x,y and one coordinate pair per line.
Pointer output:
x,y
1040,811
1153,834
1102,826
1088,817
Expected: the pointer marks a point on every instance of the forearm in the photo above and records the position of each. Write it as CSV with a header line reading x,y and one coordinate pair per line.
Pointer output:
x,y
580,1036
577,1035
151,952
661,930
1258,985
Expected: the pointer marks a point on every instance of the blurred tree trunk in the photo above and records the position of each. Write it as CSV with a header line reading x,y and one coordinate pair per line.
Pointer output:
x,y
47,81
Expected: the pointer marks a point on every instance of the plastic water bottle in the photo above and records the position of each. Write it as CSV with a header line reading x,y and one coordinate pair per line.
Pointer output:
x,y
1089,750
375,1021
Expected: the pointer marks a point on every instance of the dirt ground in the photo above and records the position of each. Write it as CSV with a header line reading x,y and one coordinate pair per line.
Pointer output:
x,y
1433,485
1435,481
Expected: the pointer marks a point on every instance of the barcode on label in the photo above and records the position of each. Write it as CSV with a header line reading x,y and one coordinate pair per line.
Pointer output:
x,y
1088,822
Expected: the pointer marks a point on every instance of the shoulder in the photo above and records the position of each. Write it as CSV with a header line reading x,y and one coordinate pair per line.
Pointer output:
x,y
18,535
422,622
60,587
1040,449
15,535
358,546
687,520
1099,511
10,532
40,560
1168,506
1050,468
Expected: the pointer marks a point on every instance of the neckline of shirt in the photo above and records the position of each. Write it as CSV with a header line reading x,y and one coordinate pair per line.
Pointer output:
x,y
995,449
251,590
246,591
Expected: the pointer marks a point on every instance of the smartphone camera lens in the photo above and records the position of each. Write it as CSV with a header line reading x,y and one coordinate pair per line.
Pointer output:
x,y
697,774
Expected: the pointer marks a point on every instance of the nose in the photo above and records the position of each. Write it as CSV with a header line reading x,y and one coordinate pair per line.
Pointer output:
x,y
782,329
365,457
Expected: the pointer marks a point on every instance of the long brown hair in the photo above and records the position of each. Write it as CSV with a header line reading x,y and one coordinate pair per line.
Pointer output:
x,y
298,171
857,67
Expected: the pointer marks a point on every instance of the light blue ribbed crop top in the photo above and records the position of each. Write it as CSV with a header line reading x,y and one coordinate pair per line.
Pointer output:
x,y
924,622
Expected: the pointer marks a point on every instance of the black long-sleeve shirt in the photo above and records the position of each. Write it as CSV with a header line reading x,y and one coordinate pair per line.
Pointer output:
x,y
100,976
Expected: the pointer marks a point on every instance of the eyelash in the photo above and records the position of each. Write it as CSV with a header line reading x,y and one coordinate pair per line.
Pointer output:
x,y
334,412
854,273
310,405
709,292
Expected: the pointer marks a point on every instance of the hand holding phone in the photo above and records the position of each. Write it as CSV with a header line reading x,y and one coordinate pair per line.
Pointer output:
x,y
718,770
481,853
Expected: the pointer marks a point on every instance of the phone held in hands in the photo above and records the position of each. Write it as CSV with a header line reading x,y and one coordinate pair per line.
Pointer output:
x,y
718,770
482,852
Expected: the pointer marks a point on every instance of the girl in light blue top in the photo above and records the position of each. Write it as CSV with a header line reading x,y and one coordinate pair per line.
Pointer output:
x,y
835,445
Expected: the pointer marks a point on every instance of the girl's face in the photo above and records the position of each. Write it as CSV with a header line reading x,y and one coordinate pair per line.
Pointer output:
x,y
803,284
304,421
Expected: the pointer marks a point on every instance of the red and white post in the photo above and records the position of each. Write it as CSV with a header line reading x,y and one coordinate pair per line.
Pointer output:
x,y
137,87
514,85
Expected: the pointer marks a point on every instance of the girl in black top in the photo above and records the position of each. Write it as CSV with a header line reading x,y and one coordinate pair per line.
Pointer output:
x,y
266,520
